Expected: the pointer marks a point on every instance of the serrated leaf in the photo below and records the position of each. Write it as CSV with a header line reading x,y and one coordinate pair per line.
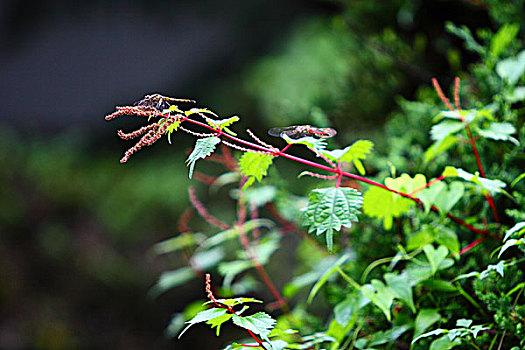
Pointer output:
x,y
401,288
254,166
259,323
448,127
172,128
353,153
512,68
203,148
439,147
223,124
425,318
503,38
329,209
203,316
380,295
519,227
435,256
218,321
500,131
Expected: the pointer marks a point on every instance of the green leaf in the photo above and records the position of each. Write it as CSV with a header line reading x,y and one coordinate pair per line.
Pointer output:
x,y
207,258
503,38
230,269
435,256
254,166
492,186
510,243
447,198
380,295
400,286
203,148
444,343
448,127
425,318
515,95
310,142
429,334
326,275
519,227
385,205
512,68
439,147
348,308
353,153
203,316
176,243
218,321
259,323
171,279
449,239
235,301
329,209
500,131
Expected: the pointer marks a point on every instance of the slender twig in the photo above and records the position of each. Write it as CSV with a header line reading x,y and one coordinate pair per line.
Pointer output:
x,y
203,212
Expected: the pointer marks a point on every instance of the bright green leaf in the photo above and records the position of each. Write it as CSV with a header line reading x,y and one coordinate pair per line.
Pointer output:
x,y
218,321
255,166
439,147
503,38
259,323
519,227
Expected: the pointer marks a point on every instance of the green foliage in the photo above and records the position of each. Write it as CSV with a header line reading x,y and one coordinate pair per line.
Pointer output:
x,y
426,254
203,148
330,209
254,166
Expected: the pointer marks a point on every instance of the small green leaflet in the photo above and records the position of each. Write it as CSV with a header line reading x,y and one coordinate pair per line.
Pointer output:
x,y
435,256
223,124
425,318
441,195
218,321
492,186
330,208
500,132
199,111
353,153
173,127
203,148
254,166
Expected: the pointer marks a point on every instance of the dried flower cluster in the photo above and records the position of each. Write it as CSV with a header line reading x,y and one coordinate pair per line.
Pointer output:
x,y
151,133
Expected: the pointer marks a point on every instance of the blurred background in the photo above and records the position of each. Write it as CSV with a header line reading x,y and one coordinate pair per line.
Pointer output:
x,y
77,227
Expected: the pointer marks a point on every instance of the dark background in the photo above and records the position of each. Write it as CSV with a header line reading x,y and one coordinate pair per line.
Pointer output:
x,y
76,226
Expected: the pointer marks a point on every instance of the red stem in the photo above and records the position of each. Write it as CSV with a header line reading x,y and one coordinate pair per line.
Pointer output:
x,y
343,173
